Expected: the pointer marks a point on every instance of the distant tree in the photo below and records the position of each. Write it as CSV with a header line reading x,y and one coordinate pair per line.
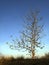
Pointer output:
x,y
30,35
46,56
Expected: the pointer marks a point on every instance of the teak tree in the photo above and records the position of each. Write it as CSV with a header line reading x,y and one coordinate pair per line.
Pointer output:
x,y
30,35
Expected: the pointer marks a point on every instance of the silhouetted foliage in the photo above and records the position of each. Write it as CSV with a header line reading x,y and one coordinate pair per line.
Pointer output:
x,y
46,56
12,61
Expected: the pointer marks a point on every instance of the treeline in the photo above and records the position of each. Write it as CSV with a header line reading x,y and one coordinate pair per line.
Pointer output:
x,y
20,60
46,56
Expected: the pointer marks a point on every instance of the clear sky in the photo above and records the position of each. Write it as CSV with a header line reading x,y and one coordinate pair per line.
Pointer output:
x,y
12,13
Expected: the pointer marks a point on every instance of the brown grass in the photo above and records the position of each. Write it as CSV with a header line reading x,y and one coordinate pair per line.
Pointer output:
x,y
21,61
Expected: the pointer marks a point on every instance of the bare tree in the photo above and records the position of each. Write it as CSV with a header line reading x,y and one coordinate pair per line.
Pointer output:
x,y
31,34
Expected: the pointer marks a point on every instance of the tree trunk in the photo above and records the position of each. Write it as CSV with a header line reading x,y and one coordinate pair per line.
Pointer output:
x,y
33,53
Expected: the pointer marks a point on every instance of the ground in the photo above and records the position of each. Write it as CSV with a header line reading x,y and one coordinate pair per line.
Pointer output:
x,y
24,61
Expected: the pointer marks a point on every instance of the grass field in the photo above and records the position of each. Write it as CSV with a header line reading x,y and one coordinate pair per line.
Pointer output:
x,y
21,61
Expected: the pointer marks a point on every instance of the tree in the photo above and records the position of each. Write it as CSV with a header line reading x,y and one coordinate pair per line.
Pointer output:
x,y
30,35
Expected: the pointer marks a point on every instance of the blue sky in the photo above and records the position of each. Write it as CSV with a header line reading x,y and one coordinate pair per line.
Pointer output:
x,y
12,14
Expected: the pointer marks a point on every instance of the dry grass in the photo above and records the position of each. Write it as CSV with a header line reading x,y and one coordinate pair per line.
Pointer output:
x,y
22,61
